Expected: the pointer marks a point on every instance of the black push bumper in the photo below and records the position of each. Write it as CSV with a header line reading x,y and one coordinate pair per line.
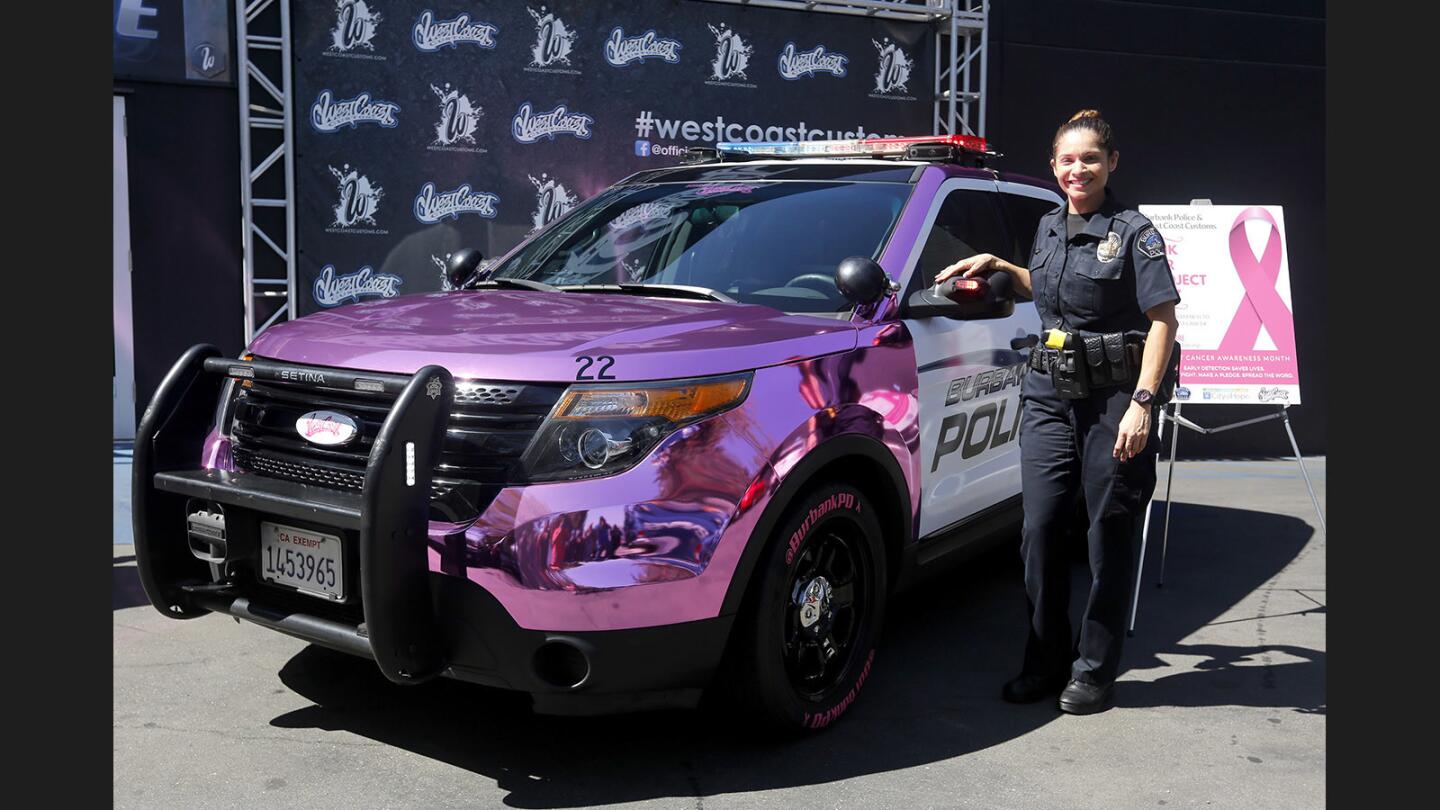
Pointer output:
x,y
414,623
391,513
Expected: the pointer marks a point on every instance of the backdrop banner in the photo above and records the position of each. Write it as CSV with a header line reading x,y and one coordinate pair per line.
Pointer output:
x,y
1237,330
423,126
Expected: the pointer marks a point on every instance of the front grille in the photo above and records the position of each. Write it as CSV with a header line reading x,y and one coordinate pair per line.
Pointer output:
x,y
490,426
299,471
482,394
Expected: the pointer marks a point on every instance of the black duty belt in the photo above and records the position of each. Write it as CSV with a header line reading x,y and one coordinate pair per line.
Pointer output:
x,y
1043,358
1091,361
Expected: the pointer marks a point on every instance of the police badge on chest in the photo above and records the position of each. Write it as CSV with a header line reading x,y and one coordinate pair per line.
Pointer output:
x,y
1108,249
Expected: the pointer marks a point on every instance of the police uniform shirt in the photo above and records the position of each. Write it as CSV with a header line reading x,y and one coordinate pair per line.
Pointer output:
x,y
1101,277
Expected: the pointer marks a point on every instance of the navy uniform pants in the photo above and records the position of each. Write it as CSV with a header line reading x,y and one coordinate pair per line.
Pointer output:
x,y
1065,452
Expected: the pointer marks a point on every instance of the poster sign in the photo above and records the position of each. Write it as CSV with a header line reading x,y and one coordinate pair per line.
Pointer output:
x,y
1231,266
425,126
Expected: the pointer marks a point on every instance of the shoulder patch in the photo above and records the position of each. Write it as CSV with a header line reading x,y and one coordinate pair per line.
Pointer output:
x,y
1150,243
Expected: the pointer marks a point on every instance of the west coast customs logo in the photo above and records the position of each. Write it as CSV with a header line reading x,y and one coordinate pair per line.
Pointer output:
x,y
552,201
332,290
554,41
329,115
893,74
623,51
796,64
432,206
732,57
459,118
359,201
529,126
354,31
430,35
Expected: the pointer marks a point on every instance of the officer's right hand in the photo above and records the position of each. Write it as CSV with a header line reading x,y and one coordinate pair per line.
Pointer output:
x,y
979,264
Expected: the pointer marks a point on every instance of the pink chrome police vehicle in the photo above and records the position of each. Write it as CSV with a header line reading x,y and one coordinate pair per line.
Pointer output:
x,y
691,436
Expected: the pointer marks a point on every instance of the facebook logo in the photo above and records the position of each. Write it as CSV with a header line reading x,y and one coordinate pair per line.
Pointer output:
x,y
642,149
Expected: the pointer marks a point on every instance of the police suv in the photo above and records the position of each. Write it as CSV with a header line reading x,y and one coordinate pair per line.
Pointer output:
x,y
691,436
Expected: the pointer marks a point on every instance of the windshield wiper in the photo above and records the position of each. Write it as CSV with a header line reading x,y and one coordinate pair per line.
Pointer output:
x,y
520,283
659,290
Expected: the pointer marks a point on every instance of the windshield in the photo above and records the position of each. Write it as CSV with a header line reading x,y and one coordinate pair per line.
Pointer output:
x,y
774,243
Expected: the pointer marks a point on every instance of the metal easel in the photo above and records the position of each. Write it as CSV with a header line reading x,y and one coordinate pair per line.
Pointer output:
x,y
1282,413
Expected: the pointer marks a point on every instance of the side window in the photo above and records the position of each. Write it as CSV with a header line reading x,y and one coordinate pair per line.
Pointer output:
x,y
1023,215
968,223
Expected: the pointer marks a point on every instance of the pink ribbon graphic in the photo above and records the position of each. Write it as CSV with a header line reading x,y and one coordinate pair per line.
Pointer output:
x,y
1262,303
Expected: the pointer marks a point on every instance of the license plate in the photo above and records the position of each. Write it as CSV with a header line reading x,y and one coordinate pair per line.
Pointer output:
x,y
308,561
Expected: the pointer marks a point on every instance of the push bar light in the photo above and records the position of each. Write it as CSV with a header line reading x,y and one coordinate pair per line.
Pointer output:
x,y
866,147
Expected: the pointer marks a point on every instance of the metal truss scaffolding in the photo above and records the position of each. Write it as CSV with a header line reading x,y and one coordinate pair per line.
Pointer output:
x,y
960,40
267,155
267,115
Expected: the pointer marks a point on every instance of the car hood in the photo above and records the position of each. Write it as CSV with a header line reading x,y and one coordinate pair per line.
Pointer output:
x,y
541,336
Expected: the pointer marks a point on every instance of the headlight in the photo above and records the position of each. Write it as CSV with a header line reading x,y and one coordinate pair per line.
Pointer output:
x,y
602,429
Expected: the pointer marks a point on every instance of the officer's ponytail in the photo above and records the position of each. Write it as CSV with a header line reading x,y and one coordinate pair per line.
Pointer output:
x,y
1087,120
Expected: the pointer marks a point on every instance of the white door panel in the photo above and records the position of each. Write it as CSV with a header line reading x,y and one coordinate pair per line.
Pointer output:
x,y
969,379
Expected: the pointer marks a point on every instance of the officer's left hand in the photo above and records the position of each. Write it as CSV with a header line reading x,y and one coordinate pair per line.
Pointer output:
x,y
1134,432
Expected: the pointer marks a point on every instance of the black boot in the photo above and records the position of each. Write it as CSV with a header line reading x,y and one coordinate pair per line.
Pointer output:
x,y
1080,697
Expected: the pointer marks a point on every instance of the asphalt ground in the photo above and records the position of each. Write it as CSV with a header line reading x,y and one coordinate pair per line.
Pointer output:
x,y
1221,704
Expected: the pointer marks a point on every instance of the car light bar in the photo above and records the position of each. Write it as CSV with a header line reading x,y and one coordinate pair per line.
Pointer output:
x,y
866,147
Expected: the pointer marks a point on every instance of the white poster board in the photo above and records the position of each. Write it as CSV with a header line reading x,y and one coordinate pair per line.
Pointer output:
x,y
1237,332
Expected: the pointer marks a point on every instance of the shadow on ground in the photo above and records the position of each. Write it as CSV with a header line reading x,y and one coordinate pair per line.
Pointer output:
x,y
125,588
932,696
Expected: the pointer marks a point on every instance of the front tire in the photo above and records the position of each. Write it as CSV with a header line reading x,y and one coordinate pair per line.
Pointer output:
x,y
810,628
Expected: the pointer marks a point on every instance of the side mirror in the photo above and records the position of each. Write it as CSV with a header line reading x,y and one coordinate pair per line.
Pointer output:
x,y
461,266
861,280
964,298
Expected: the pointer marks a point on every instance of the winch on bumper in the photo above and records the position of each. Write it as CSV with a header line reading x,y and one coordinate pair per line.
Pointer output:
x,y
198,550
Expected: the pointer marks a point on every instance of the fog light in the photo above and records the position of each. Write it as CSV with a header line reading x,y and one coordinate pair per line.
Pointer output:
x,y
561,663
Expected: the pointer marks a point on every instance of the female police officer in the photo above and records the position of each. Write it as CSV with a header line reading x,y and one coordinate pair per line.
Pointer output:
x,y
1100,281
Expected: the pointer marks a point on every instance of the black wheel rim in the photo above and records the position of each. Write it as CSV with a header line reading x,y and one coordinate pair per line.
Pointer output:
x,y
827,597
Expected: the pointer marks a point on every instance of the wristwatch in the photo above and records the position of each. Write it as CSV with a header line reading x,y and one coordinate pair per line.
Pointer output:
x,y
1142,396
